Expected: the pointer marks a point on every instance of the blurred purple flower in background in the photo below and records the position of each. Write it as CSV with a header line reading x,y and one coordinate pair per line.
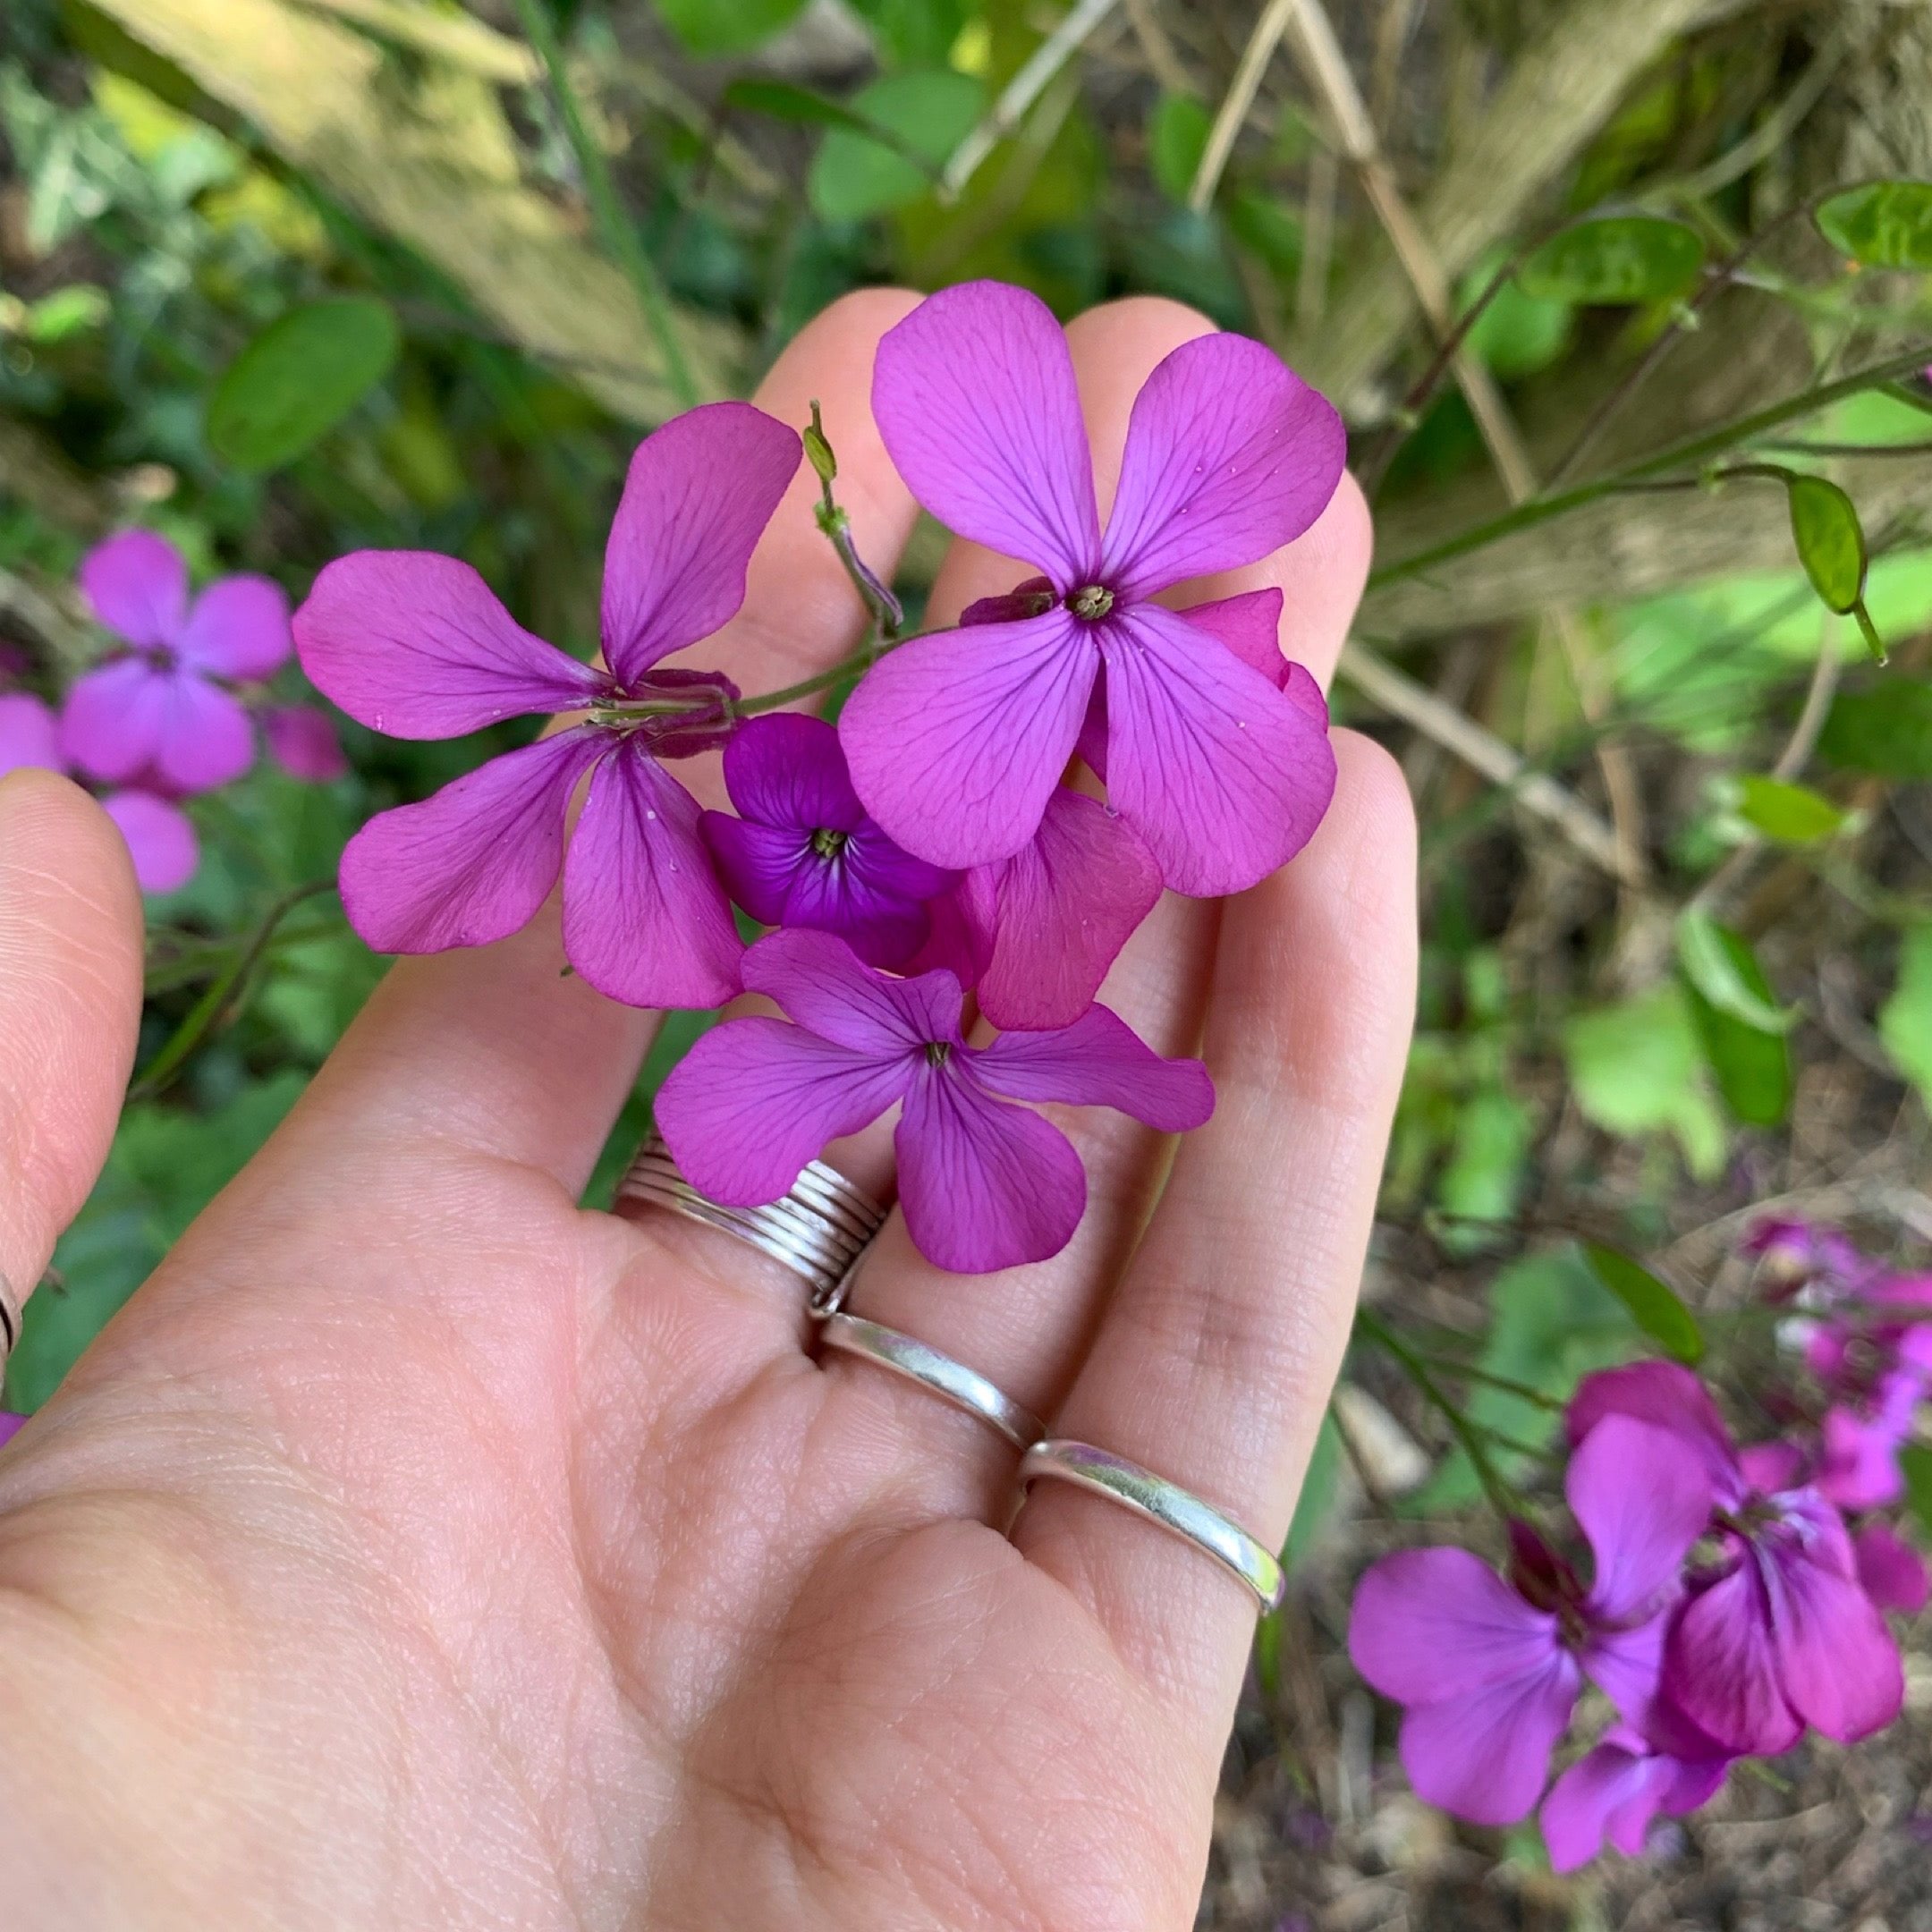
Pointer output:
x,y
304,744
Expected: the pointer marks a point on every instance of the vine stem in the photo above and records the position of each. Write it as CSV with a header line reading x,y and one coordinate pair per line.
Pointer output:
x,y
619,233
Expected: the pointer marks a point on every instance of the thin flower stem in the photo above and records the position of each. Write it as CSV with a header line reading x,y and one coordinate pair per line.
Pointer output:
x,y
861,660
620,233
1522,1390
887,613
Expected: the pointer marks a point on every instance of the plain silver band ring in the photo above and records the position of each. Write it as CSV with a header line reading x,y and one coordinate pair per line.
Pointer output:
x,y
1167,1503
952,1381
817,1229
9,1318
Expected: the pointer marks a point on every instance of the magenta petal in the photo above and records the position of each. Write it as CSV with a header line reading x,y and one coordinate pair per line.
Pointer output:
x,y
1223,776
823,985
1066,904
984,1185
29,734
1229,456
160,839
204,738
303,742
1098,1061
1609,1793
137,585
239,628
975,397
1250,625
1484,1754
9,1427
1431,1623
644,919
756,1099
473,862
1840,1668
787,769
111,724
756,862
1627,1666
417,646
956,742
1721,1668
1890,1570
854,896
964,928
1642,1502
697,499
1670,1397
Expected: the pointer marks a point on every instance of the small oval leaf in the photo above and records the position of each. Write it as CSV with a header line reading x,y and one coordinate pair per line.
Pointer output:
x,y
1720,965
1831,545
1653,1306
856,175
299,378
1791,814
1752,1063
1883,225
1615,258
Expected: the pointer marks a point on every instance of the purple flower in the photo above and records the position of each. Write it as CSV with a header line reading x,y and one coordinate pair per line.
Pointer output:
x,y
1489,1670
802,851
1616,1790
985,1185
160,839
1860,1466
957,742
303,742
415,645
1890,1570
155,714
9,1427
1777,1633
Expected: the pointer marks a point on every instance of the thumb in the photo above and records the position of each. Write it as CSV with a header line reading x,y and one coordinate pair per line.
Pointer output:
x,y
70,1008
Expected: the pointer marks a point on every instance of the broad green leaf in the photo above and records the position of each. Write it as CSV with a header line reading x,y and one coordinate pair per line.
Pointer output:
x,y
1883,225
1177,132
1638,1068
1884,729
1718,963
1516,335
299,378
1905,1020
1825,526
856,175
709,27
1791,814
1916,1461
1654,1305
785,102
1752,1064
913,33
1615,258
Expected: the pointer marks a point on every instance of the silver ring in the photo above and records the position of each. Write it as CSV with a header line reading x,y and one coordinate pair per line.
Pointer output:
x,y
952,1381
1167,1503
11,1312
817,1229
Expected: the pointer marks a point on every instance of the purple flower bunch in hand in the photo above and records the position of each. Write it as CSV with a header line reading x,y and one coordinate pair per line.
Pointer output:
x,y
1736,1597
942,858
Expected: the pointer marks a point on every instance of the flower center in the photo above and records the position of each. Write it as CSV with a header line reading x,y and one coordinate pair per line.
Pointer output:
x,y
1092,601
938,1052
828,843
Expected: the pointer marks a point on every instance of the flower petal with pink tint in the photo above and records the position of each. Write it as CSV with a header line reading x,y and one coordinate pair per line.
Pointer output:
x,y
1670,1397
1484,1754
204,738
1098,1061
858,896
1627,1665
1720,1667
821,983
473,862
984,1185
1890,1570
304,741
1064,904
239,628
28,733
1840,1665
755,1100
696,500
136,586
1223,776
786,769
644,919
956,742
110,725
9,1427
1229,456
160,839
1642,1502
1616,1792
1250,625
1431,1623
975,398
416,645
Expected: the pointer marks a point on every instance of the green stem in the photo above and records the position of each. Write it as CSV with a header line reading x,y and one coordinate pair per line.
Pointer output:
x,y
1523,1391
861,661
1688,455
619,233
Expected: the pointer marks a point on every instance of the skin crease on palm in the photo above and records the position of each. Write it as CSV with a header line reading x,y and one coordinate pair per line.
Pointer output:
x,y
420,1550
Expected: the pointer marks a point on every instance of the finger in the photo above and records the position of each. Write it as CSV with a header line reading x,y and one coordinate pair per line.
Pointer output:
x,y
1217,1352
70,1007
1026,1328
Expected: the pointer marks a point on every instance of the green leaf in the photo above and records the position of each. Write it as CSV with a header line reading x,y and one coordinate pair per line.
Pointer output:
x,y
67,312
785,102
1316,1504
1177,133
855,175
1915,1459
1885,729
913,32
1905,1020
1883,225
1790,814
1615,258
299,378
1638,1068
1483,1175
709,27
1516,335
1752,1063
1654,1305
1262,224
1719,965
1825,526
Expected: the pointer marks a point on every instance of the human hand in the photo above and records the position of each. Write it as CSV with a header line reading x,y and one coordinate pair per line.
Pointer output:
x,y
418,1548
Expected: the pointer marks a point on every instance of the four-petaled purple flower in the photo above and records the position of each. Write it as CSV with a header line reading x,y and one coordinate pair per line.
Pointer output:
x,y
985,1185
802,851
415,645
1615,1791
1489,1670
154,715
957,742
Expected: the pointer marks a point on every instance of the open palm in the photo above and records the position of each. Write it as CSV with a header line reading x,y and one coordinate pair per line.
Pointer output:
x,y
420,1549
